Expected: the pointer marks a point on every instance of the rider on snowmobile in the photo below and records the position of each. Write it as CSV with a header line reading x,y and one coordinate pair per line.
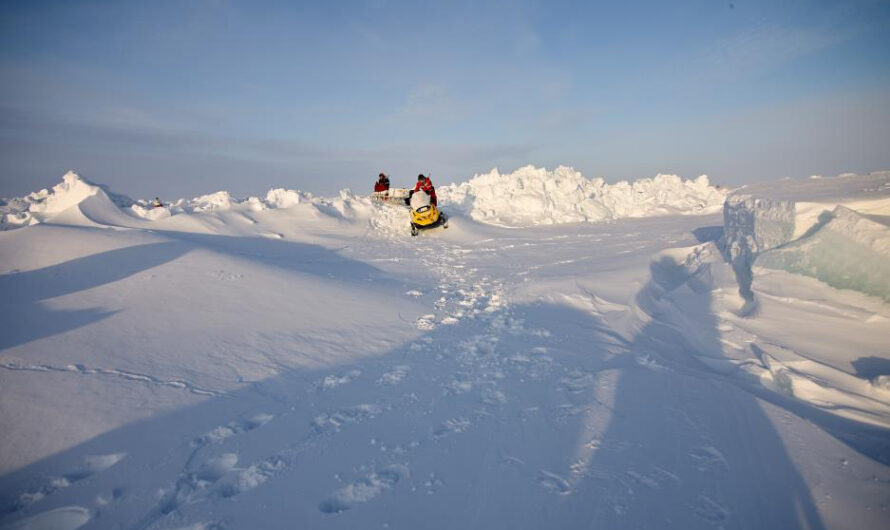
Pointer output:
x,y
425,184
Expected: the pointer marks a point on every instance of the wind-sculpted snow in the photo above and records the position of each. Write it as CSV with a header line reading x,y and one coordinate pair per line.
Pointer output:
x,y
46,203
532,196
78,201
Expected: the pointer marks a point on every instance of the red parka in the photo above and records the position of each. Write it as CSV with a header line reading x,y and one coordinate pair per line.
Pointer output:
x,y
427,185
382,184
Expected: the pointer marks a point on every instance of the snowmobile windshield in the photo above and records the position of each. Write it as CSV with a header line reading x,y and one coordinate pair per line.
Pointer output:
x,y
419,200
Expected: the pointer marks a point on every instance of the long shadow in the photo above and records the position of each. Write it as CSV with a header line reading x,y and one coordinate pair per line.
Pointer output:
x,y
531,417
292,256
871,367
705,234
26,318
686,451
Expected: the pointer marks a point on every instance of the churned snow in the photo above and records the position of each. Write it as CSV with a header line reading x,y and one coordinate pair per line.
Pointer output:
x,y
289,360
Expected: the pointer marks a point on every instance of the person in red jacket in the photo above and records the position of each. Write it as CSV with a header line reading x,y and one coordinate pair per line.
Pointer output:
x,y
425,184
382,183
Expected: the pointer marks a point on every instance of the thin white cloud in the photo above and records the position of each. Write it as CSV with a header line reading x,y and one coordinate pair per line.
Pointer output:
x,y
755,51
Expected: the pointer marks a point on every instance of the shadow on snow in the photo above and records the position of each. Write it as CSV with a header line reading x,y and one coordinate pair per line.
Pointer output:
x,y
27,317
534,416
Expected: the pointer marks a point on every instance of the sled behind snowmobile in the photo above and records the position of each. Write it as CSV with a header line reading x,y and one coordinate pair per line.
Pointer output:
x,y
394,196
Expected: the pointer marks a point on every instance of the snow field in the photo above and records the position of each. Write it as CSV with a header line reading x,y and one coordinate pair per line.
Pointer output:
x,y
256,366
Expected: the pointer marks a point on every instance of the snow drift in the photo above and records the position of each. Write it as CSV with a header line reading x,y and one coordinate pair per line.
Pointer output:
x,y
534,196
71,196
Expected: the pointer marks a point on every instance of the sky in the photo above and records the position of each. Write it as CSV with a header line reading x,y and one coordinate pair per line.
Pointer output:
x,y
179,99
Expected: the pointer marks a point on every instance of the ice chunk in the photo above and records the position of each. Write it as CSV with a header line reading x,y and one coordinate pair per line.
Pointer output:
x,y
848,251
826,228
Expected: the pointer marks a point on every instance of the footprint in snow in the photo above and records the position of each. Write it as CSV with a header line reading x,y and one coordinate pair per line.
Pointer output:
x,y
710,511
394,376
333,381
577,382
332,422
67,518
708,457
426,322
554,483
365,489
222,433
452,426
654,478
89,466
218,477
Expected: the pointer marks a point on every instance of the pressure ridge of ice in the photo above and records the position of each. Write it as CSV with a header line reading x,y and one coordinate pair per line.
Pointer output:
x,y
526,197
534,196
835,230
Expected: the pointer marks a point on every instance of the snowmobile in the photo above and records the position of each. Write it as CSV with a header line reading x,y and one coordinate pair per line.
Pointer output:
x,y
395,196
424,214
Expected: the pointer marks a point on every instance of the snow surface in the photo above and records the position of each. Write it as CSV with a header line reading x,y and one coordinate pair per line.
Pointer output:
x,y
299,361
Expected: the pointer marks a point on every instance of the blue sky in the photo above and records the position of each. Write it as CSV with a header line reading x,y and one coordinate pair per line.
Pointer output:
x,y
187,97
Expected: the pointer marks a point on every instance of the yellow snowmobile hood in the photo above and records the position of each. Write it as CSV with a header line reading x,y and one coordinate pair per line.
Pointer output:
x,y
425,216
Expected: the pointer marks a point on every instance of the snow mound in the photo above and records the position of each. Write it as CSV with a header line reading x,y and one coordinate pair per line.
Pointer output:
x,y
533,196
284,198
74,200
220,200
833,229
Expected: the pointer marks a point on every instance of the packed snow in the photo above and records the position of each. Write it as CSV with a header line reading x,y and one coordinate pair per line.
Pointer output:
x,y
568,354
